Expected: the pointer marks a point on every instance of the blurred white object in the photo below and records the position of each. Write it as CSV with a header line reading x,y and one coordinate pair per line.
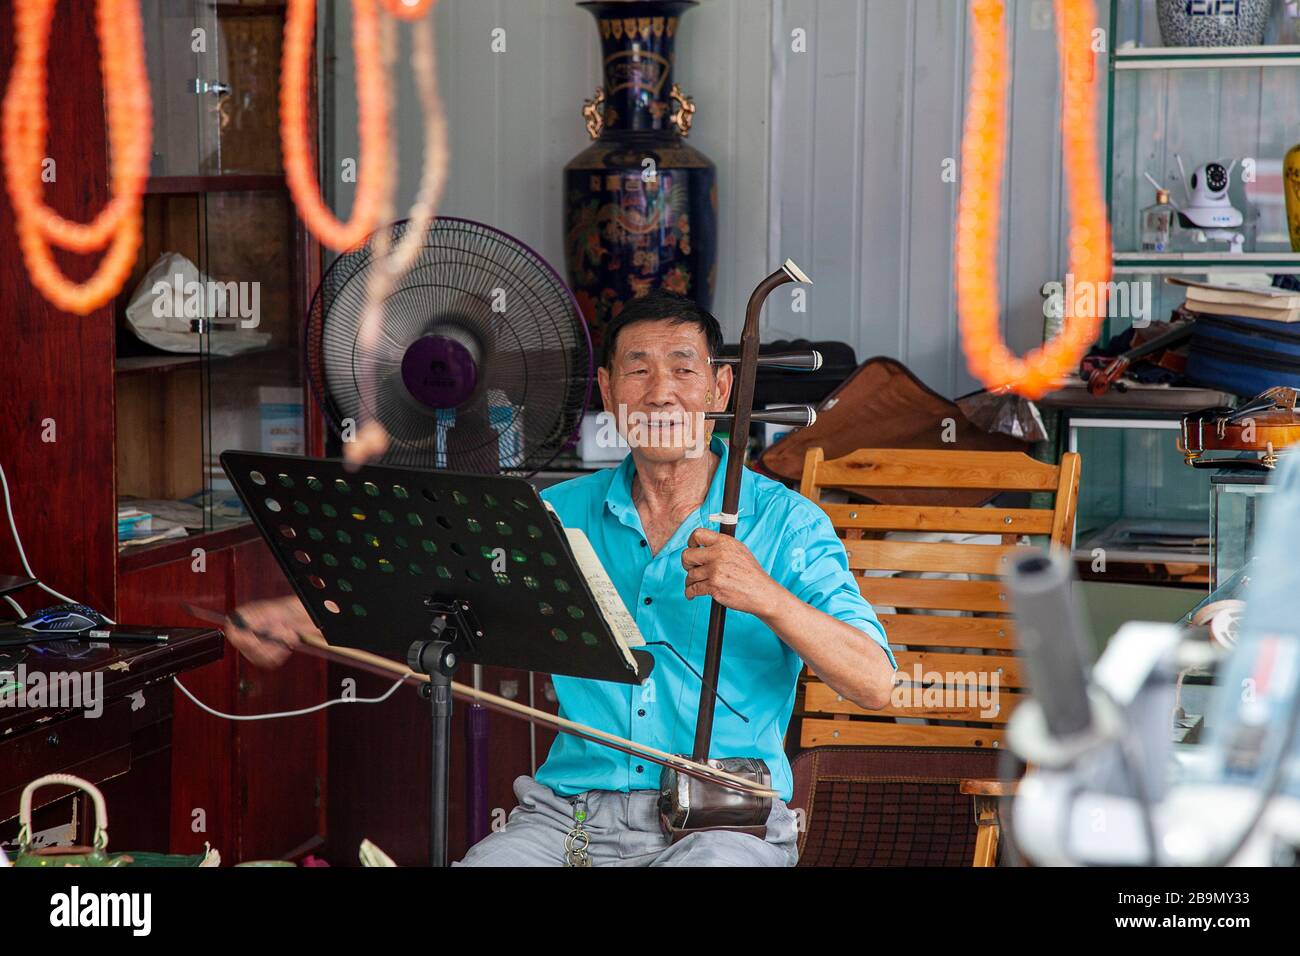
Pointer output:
x,y
1232,799
371,855
280,410
770,434
600,442
158,316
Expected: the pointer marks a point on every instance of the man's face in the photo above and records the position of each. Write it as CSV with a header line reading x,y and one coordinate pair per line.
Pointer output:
x,y
658,386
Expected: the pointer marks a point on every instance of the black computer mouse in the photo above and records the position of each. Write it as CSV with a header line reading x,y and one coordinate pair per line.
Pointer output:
x,y
59,618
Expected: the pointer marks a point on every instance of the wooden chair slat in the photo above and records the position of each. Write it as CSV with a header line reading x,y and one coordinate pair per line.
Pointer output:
x,y
931,630
917,518
1067,499
913,468
974,669
937,594
821,699
925,556
984,667
873,733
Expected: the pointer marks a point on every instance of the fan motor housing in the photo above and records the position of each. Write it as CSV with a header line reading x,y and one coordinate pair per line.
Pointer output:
x,y
441,370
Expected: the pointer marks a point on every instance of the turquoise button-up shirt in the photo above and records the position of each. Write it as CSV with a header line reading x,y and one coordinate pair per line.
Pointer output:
x,y
794,542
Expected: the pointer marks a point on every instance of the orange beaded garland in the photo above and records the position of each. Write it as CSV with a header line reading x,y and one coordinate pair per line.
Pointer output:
x,y
982,154
126,90
372,121
408,9
126,87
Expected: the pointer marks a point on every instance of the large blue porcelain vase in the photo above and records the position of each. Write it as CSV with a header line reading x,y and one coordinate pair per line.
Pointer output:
x,y
641,205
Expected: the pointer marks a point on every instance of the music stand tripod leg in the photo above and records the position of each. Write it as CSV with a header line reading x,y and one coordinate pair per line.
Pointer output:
x,y
437,659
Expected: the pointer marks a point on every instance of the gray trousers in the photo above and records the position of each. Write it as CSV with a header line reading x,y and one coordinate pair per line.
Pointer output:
x,y
624,831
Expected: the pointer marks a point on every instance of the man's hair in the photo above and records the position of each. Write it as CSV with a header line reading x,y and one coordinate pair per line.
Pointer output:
x,y
658,305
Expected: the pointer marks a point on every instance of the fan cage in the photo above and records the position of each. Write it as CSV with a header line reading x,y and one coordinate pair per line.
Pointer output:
x,y
537,353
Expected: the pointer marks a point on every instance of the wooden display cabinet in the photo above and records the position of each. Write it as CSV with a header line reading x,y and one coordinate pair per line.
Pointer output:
x,y
94,417
218,198
90,415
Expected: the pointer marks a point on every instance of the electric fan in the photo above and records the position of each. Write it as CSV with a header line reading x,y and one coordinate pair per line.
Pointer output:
x,y
483,361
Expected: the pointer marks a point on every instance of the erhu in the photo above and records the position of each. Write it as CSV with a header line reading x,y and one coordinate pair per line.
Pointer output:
x,y
690,804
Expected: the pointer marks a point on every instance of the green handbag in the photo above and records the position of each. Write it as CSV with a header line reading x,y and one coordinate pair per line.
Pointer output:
x,y
95,855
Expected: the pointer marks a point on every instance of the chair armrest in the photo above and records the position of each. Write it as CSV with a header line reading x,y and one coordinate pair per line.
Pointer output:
x,y
989,788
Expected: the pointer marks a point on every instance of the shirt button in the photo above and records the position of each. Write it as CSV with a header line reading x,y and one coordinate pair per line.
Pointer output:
x,y
643,542
640,769
649,601
641,713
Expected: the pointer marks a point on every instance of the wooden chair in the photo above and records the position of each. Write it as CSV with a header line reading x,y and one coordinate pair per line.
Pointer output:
x,y
884,780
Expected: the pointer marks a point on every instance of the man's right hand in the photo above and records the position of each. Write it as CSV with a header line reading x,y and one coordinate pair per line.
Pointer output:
x,y
282,619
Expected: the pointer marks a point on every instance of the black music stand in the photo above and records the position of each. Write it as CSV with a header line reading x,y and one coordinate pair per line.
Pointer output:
x,y
479,557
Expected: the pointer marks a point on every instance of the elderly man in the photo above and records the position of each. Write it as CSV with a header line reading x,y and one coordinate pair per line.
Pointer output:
x,y
784,577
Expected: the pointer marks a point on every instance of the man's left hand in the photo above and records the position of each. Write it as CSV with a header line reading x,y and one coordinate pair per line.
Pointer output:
x,y
719,566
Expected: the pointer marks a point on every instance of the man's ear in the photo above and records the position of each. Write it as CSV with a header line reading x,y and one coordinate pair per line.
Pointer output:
x,y
722,381
602,379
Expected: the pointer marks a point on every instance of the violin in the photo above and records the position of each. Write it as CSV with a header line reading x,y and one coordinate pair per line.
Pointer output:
x,y
1267,425
1156,344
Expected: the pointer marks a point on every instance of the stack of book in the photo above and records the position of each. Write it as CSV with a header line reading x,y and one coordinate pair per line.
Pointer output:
x,y
1252,302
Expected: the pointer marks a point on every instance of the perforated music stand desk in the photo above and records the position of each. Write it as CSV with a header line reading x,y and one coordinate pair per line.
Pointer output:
x,y
436,568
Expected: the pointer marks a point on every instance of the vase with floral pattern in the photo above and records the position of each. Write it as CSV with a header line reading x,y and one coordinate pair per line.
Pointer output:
x,y
641,204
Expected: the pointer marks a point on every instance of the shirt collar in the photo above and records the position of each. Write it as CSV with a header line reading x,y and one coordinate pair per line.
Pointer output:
x,y
619,497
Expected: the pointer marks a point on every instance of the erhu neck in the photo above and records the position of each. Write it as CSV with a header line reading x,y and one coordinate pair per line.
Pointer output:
x,y
739,439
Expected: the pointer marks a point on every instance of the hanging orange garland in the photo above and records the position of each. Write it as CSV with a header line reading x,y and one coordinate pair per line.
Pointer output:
x,y
126,90
372,122
982,154
408,9
25,120
394,260
372,118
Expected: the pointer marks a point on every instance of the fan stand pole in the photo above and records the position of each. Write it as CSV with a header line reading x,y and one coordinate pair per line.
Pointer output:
x,y
437,659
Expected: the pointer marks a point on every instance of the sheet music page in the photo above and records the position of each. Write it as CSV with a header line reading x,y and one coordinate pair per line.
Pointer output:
x,y
611,605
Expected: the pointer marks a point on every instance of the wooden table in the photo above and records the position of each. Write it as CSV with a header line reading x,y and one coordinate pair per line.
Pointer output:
x,y
120,739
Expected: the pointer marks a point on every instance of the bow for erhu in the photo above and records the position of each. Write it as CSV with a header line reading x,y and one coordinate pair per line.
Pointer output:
x,y
318,647
740,417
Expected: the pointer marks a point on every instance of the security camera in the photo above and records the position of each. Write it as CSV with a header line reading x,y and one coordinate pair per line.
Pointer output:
x,y
1212,180
1208,206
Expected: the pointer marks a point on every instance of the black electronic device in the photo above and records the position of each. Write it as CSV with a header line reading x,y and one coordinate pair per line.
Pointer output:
x,y
66,618
71,621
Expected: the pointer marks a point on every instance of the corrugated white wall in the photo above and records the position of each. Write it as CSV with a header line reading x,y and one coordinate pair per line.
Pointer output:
x,y
832,156
869,116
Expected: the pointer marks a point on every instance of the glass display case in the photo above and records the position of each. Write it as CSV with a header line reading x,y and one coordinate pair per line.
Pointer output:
x,y
1239,105
1140,507
1235,500
209,324
1170,100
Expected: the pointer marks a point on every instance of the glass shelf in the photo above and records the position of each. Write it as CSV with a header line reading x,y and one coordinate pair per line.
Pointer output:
x,y
1139,504
1206,57
226,182
1189,263
1171,109
1241,117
